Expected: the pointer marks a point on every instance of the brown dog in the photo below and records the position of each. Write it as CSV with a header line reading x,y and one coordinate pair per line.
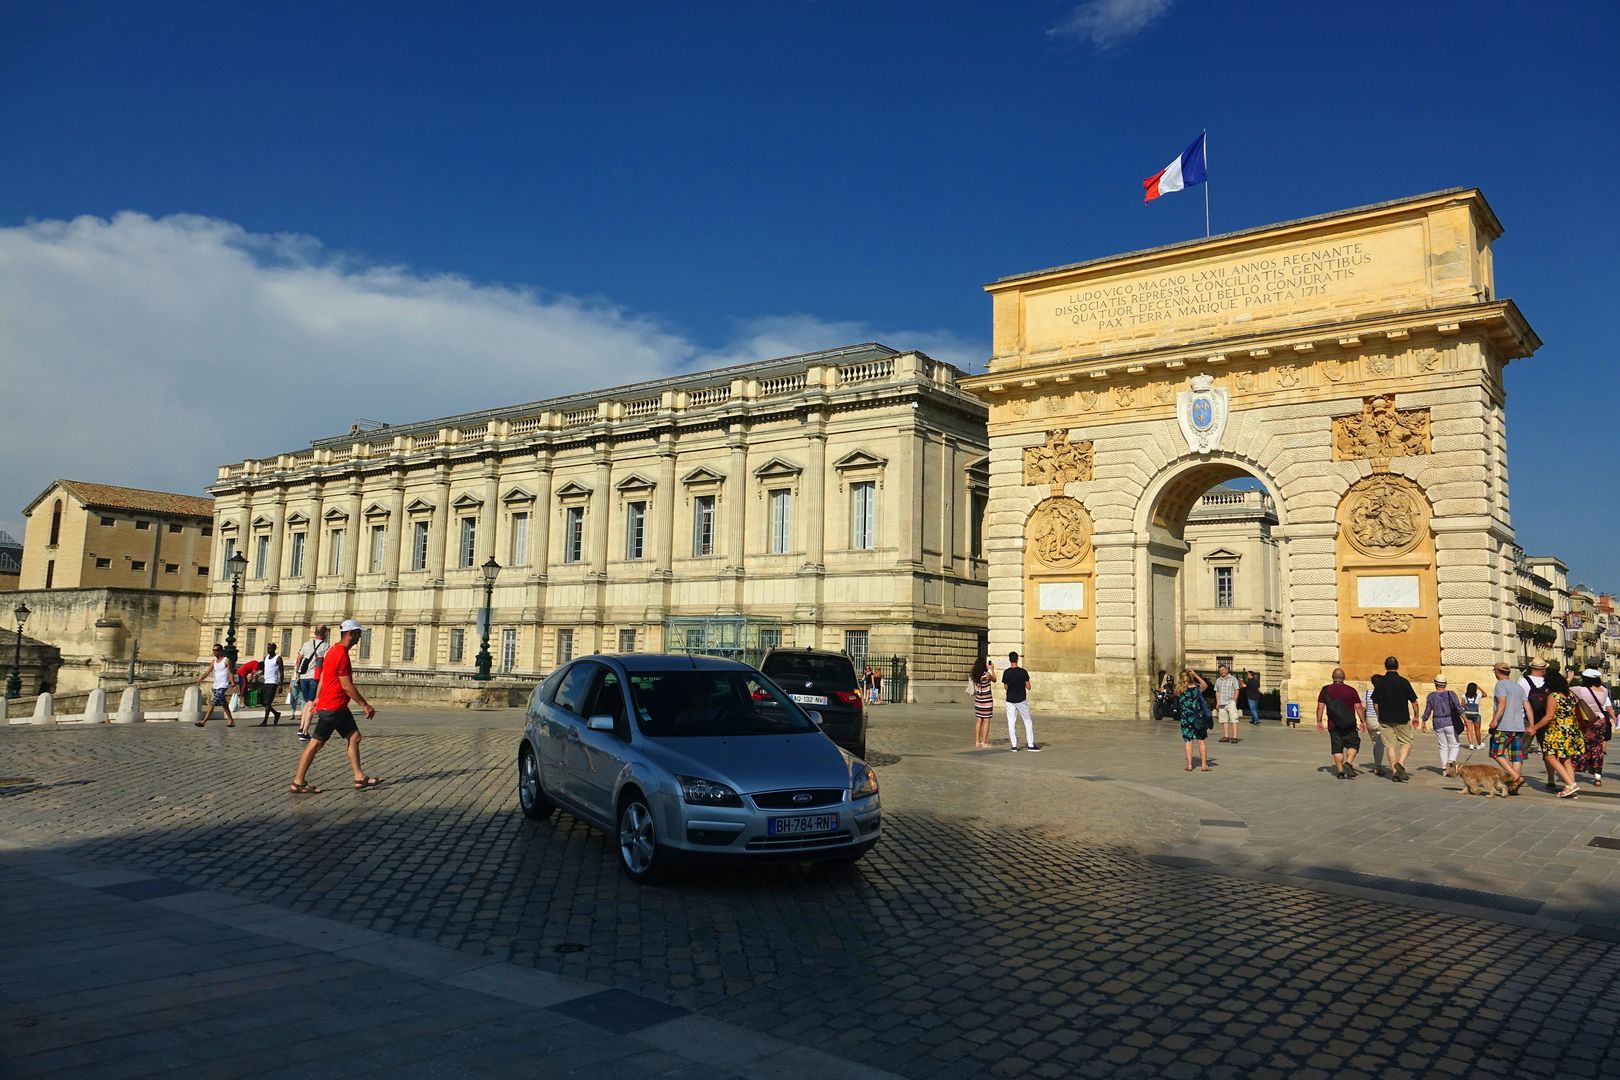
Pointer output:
x,y
1483,780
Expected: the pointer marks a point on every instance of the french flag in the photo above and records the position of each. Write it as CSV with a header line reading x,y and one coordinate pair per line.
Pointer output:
x,y
1192,167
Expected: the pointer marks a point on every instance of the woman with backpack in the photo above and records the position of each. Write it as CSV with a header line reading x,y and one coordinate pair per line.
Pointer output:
x,y
1596,720
1193,713
1561,739
1442,705
1471,716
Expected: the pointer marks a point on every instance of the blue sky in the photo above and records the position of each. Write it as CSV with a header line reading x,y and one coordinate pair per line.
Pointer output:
x,y
243,225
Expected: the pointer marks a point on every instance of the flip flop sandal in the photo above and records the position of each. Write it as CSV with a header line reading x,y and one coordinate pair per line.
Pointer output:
x,y
368,782
303,789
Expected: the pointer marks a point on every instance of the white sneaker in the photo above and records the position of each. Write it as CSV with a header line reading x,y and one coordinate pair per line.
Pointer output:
x,y
1014,749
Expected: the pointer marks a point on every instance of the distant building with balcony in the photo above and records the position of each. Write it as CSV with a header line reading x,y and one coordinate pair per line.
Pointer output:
x,y
1233,586
10,562
834,499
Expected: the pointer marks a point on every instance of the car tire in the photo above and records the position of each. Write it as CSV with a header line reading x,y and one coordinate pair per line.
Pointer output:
x,y
531,795
640,855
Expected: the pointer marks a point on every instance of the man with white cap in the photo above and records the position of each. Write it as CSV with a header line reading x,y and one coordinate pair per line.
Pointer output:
x,y
332,713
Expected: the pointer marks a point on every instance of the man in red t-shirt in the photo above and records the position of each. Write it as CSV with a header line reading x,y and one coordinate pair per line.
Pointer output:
x,y
332,713
1341,708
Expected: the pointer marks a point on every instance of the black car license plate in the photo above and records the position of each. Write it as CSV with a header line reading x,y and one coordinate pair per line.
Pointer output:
x,y
810,823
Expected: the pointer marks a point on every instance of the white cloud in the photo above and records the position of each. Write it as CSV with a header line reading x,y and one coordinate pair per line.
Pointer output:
x,y
1107,23
149,351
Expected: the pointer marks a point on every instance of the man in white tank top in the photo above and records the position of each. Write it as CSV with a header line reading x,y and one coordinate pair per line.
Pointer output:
x,y
221,671
271,685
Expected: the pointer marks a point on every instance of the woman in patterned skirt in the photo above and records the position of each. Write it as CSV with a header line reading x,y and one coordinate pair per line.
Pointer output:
x,y
1595,712
1190,687
982,680
1561,739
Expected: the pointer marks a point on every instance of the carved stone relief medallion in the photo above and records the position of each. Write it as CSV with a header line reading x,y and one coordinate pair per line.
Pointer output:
x,y
1244,380
1060,623
1088,400
1381,431
1288,376
1333,370
1058,462
1162,392
1386,516
1381,365
1060,532
1201,414
1124,396
1428,359
1389,622
1020,408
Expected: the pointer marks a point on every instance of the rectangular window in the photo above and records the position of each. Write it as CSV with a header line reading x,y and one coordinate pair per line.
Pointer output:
x,y
230,553
171,568
174,528
379,542
261,556
855,643
565,646
138,565
286,642
1227,660
252,642
780,520
978,503
508,649
458,645
574,534
103,564
694,639
635,530
863,515
107,521
365,646
703,525
1223,587
50,572
627,641
520,539
467,550
408,647
419,545
296,566
335,562
143,525
770,639
208,530
202,571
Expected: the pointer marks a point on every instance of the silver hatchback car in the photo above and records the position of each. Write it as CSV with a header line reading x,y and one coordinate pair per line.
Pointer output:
x,y
682,758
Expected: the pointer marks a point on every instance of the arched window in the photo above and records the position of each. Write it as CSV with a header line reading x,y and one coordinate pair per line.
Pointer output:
x,y
56,522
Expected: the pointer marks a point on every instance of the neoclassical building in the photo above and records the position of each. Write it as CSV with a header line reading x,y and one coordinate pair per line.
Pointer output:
x,y
832,499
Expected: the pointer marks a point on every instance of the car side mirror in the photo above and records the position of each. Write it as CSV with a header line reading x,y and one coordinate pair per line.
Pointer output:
x,y
815,717
600,723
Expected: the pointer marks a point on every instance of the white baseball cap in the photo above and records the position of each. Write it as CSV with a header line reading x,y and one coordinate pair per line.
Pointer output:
x,y
349,624
1591,673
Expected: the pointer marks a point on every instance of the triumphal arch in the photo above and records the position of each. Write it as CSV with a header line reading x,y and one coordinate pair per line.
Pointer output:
x,y
1351,363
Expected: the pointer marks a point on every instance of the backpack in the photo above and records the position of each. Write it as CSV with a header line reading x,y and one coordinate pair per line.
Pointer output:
x,y
1538,697
306,661
1341,716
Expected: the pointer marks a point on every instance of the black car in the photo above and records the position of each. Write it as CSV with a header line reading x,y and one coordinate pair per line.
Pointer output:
x,y
825,682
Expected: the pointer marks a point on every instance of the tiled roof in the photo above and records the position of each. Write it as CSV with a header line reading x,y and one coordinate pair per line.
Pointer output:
x,y
111,497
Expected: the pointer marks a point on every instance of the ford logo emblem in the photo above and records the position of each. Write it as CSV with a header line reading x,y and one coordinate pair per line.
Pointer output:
x,y
803,797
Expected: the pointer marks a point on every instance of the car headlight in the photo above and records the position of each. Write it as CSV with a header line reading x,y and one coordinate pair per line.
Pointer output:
x,y
862,782
700,792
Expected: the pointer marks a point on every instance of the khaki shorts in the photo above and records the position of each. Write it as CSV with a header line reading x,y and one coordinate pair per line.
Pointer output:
x,y
1227,714
1395,735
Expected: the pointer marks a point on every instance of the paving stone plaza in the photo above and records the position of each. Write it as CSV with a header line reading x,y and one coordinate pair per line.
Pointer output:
x,y
1089,911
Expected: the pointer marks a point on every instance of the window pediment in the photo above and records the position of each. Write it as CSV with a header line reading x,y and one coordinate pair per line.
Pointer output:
x,y
635,482
376,510
262,522
466,501
1222,555
227,526
517,495
419,506
335,515
703,475
573,490
859,459
778,469
298,517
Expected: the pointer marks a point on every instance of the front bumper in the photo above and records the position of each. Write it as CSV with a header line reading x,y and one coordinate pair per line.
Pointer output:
x,y
743,833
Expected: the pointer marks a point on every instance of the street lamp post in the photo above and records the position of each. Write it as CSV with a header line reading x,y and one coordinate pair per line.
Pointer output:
x,y
14,684
238,565
485,661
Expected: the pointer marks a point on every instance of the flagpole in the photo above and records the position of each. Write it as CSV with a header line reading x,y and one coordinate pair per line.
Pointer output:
x,y
1206,183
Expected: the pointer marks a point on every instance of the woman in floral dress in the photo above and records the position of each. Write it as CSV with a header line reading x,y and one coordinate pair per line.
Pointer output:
x,y
1561,739
1594,712
1190,687
983,681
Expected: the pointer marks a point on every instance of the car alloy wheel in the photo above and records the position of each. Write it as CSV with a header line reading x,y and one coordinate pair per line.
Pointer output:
x,y
531,797
638,841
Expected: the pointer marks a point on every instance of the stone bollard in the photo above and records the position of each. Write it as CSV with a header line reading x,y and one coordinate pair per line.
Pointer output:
x,y
191,707
129,706
45,710
95,707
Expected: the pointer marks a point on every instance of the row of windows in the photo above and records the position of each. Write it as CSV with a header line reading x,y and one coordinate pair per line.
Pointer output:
x,y
779,535
139,566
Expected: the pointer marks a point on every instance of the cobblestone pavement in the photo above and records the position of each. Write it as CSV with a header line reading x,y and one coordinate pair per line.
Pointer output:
x,y
1092,910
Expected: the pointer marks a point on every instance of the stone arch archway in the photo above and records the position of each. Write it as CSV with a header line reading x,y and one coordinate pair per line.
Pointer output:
x,y
1316,356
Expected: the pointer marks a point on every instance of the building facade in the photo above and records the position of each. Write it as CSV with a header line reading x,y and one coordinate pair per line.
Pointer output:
x,y
829,500
1233,587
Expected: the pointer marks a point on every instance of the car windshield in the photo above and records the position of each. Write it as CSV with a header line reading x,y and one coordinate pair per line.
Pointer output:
x,y
698,703
826,669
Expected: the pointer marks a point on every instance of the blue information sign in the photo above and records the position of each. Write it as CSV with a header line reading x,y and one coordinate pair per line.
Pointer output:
x,y
1293,710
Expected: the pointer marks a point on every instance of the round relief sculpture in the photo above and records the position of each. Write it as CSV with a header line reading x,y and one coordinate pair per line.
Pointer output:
x,y
1060,532
1387,516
